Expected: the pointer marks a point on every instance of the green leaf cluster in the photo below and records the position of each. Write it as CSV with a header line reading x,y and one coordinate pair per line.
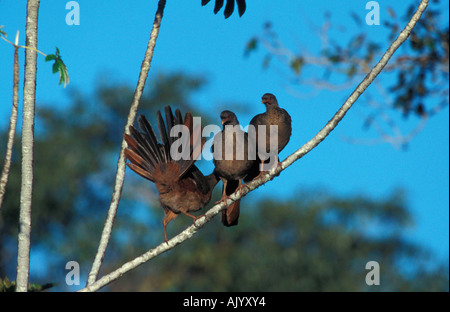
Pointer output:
x,y
420,67
59,67
7,286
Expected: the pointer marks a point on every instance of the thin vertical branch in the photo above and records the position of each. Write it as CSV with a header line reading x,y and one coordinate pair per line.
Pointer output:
x,y
12,127
120,174
29,97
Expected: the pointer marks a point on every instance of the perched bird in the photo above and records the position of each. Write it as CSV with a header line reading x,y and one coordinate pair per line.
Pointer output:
x,y
231,161
181,185
276,116
229,7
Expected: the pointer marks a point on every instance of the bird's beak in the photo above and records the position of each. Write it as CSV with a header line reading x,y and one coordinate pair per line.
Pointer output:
x,y
225,120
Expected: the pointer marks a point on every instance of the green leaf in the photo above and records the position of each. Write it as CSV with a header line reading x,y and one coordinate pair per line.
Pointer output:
x,y
251,46
50,57
6,282
351,70
63,75
59,66
2,32
6,285
334,58
56,67
39,287
296,64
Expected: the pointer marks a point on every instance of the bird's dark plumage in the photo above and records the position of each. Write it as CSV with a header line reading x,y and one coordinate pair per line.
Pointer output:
x,y
276,116
232,163
229,7
181,185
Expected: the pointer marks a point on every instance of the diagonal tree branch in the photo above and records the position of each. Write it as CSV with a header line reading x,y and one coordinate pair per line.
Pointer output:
x,y
26,192
120,174
319,137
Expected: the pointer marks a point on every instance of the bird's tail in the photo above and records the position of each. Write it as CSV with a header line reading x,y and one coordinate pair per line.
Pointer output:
x,y
230,216
148,157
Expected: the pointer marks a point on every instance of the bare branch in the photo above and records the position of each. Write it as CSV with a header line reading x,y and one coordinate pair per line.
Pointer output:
x,y
319,137
29,97
120,174
12,127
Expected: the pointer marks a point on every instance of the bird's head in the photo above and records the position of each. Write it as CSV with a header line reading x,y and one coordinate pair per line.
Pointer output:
x,y
269,99
228,118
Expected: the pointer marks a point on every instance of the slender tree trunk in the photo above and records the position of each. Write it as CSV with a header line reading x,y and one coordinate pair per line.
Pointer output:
x,y
29,94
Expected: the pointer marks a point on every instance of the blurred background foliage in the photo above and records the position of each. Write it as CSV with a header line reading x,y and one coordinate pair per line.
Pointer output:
x,y
418,70
311,242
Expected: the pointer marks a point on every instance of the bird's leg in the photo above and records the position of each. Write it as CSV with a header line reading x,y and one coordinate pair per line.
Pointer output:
x,y
261,166
276,164
241,186
165,234
168,216
261,171
194,218
224,195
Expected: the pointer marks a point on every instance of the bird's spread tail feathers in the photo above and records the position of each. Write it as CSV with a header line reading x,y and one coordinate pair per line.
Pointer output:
x,y
148,157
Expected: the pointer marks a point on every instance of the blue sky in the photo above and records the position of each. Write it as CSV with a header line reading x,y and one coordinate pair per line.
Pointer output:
x,y
112,38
